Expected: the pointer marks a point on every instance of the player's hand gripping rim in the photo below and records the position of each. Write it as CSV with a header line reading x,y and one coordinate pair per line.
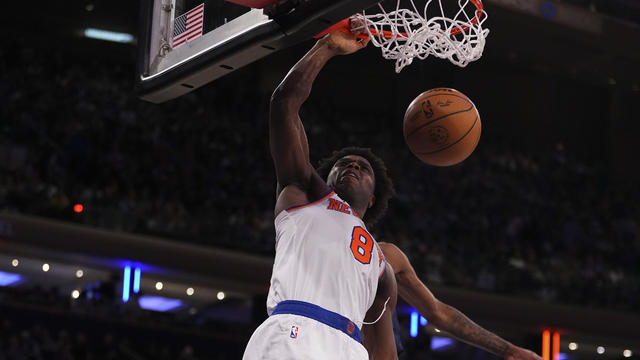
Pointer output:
x,y
347,39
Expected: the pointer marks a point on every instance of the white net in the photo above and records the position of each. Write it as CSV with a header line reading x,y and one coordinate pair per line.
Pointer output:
x,y
406,33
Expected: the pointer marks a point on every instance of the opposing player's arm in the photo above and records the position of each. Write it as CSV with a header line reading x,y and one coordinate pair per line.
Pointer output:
x,y
443,316
378,338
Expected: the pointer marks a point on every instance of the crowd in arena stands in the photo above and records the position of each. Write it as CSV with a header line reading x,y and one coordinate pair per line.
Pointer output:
x,y
42,342
543,225
44,324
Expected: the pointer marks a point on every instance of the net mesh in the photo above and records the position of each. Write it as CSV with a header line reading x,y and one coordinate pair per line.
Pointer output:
x,y
406,33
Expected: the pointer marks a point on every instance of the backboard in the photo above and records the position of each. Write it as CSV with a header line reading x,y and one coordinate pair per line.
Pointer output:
x,y
185,44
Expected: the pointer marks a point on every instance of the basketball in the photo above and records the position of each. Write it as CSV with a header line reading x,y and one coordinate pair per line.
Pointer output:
x,y
442,127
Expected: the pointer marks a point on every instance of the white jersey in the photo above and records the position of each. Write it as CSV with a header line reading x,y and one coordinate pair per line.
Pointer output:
x,y
325,256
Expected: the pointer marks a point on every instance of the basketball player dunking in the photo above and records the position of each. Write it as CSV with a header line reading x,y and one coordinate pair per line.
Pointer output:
x,y
330,277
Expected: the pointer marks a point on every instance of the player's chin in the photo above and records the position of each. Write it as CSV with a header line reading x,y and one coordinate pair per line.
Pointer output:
x,y
341,188
347,184
347,190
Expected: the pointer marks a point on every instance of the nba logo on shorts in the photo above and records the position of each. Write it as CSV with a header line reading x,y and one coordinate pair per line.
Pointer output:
x,y
294,332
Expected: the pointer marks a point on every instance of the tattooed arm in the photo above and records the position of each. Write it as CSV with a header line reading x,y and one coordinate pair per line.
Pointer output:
x,y
446,317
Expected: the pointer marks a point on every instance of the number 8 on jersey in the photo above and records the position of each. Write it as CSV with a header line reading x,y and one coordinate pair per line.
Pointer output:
x,y
361,244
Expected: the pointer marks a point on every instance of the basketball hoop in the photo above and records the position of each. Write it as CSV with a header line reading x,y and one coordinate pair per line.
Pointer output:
x,y
406,33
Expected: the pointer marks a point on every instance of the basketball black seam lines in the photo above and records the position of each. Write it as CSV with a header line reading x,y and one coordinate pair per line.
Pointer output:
x,y
450,145
441,117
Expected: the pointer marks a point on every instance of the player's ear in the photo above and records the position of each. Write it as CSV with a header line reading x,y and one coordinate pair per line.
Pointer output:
x,y
372,201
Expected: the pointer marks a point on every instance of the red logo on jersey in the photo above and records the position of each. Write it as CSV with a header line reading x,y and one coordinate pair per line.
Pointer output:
x,y
334,204
350,327
338,205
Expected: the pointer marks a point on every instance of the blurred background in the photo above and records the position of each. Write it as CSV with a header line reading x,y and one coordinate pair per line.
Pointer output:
x,y
131,230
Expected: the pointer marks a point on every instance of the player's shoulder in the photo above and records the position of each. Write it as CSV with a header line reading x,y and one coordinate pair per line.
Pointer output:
x,y
389,249
395,257
295,196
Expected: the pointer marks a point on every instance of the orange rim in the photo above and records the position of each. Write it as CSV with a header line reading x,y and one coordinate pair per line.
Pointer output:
x,y
474,21
346,28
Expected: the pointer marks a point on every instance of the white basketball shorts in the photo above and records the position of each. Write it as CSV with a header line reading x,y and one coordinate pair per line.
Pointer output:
x,y
295,337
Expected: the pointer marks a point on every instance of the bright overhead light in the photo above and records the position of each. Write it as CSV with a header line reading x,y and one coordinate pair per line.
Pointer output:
x,y
220,295
108,35
600,350
79,273
436,330
627,353
45,267
15,262
75,294
573,346
159,285
190,291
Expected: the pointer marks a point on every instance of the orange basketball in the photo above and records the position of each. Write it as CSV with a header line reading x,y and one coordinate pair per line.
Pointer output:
x,y
442,127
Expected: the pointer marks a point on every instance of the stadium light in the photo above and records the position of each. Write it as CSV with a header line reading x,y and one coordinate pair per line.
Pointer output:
x,y
440,343
159,303
78,208
413,330
546,341
126,280
555,346
7,279
108,35
136,280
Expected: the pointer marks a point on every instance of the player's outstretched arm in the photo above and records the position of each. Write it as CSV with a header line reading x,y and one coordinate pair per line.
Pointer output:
x,y
378,338
287,138
443,316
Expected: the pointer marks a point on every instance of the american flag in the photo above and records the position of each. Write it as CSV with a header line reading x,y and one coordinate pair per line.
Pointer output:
x,y
188,26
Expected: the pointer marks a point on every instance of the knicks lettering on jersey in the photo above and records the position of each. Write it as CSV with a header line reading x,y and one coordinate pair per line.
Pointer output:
x,y
340,206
